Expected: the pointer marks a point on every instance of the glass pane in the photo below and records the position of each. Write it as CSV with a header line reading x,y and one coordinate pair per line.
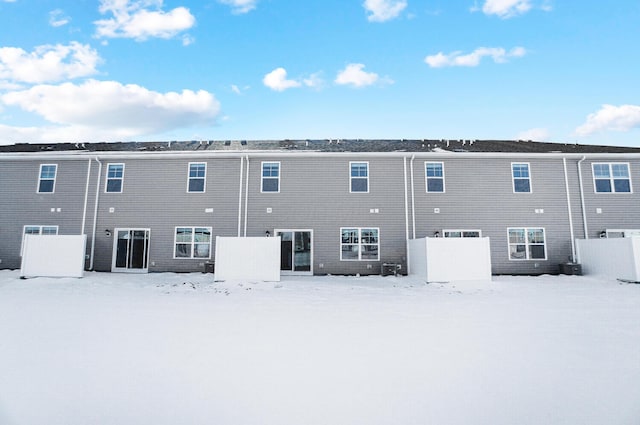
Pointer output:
x,y
601,170
359,170
359,185
115,171
46,186
435,185
114,185
49,230
48,172
536,252
622,185
521,185
603,186
434,170
370,252
517,252
350,252
196,185
536,235
369,235
202,235
183,234
201,250
270,170
349,235
452,234
520,170
302,255
197,170
183,250
32,230
269,185
516,236
620,170
472,234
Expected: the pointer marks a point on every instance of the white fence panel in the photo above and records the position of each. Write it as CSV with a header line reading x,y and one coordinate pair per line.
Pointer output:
x,y
53,256
617,258
247,259
450,259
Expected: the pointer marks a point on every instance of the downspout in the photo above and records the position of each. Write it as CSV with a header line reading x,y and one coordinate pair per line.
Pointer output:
x,y
95,215
413,201
240,197
584,208
406,213
566,184
86,200
246,199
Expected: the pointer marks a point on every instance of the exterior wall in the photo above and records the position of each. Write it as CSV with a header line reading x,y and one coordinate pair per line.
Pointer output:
x,y
22,205
479,195
314,194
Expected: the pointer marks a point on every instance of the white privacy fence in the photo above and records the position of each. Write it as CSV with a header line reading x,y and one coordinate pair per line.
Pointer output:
x,y
610,257
53,256
247,259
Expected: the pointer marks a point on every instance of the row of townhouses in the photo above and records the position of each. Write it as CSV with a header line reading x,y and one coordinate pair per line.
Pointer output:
x,y
339,206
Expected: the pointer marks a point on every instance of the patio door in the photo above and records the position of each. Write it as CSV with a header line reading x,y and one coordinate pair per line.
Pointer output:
x,y
131,251
296,251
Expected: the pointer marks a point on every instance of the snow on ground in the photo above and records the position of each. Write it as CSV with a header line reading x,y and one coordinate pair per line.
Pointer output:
x,y
181,349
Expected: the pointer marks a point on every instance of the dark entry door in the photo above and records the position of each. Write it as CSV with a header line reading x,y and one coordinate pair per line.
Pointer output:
x,y
296,251
131,251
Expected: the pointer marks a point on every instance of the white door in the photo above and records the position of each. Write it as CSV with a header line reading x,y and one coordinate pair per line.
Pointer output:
x,y
131,250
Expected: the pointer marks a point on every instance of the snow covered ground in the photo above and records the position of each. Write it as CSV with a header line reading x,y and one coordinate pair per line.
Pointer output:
x,y
181,349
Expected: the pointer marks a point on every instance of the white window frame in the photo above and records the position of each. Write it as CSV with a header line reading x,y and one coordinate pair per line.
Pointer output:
x,y
427,177
107,179
447,233
612,178
277,178
191,243
624,233
527,243
204,178
40,179
40,228
514,178
351,177
359,243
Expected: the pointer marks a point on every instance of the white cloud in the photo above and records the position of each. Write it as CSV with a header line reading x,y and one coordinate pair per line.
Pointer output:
x,y
314,81
498,54
611,118
109,108
383,10
506,9
141,19
277,80
535,134
48,63
355,76
240,6
57,18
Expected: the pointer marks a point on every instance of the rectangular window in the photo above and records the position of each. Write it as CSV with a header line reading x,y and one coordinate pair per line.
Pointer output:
x,y
359,244
192,242
197,174
270,177
527,244
359,176
47,178
435,176
38,230
611,177
521,177
462,233
115,176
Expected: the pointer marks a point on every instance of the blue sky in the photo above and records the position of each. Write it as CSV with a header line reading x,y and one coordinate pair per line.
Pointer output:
x,y
111,70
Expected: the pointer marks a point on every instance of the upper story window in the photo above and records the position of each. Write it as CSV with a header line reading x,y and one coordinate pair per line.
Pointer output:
x,y
197,175
359,176
192,242
527,244
611,177
521,177
115,177
435,176
270,177
359,244
47,178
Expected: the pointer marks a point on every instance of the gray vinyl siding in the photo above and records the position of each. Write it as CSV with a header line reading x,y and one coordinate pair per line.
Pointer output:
x,y
619,210
479,195
155,197
22,205
315,194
